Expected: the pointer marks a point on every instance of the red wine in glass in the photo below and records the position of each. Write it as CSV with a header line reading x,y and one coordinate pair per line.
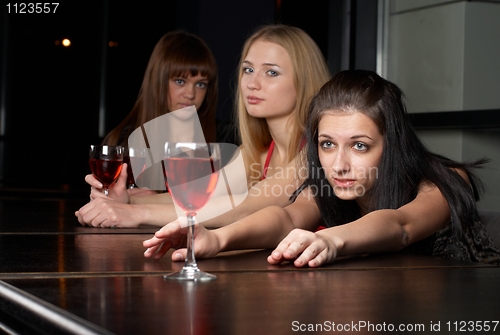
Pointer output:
x,y
191,171
106,164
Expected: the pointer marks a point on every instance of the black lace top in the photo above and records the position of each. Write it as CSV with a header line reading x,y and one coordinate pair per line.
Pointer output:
x,y
473,245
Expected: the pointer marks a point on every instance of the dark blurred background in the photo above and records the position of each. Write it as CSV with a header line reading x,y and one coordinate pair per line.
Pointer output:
x,y
55,101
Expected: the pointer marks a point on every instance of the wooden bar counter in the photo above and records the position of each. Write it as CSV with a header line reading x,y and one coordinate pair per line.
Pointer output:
x,y
58,277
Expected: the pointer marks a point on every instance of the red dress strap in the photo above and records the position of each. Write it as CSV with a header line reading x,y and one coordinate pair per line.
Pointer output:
x,y
268,159
303,143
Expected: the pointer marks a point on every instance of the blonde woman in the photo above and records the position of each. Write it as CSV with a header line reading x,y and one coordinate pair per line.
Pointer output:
x,y
280,70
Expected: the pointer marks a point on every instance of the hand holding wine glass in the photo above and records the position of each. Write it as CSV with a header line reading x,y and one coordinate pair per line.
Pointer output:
x,y
192,172
106,164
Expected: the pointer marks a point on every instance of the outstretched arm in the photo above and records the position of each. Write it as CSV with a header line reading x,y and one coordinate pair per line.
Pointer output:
x,y
272,191
267,227
263,229
379,231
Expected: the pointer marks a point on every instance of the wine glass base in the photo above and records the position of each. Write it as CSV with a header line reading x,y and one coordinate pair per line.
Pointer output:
x,y
190,274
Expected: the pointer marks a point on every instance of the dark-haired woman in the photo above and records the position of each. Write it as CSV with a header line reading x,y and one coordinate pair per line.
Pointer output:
x,y
370,180
181,72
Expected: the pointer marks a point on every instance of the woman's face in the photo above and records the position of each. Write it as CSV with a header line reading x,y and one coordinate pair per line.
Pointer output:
x,y
186,91
267,86
350,147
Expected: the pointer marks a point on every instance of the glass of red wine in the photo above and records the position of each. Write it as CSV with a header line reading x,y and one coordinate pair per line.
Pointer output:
x,y
106,164
192,172
136,164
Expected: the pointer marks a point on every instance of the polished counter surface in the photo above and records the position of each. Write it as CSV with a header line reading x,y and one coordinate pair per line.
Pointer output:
x,y
270,302
59,277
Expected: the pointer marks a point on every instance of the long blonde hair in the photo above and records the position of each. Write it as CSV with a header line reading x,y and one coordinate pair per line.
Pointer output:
x,y
310,73
177,53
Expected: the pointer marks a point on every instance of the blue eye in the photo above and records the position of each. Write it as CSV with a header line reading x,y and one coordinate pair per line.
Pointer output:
x,y
272,73
325,145
247,70
202,85
179,81
360,146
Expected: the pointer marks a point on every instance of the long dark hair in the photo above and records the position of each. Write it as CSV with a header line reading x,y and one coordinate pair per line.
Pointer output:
x,y
405,163
177,53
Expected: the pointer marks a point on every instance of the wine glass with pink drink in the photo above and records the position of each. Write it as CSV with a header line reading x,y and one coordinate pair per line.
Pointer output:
x,y
192,172
106,164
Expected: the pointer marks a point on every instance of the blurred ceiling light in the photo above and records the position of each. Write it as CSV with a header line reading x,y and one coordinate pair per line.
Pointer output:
x,y
66,42
112,44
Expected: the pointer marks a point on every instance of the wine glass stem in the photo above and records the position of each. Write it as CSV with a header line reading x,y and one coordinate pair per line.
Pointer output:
x,y
190,259
106,190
